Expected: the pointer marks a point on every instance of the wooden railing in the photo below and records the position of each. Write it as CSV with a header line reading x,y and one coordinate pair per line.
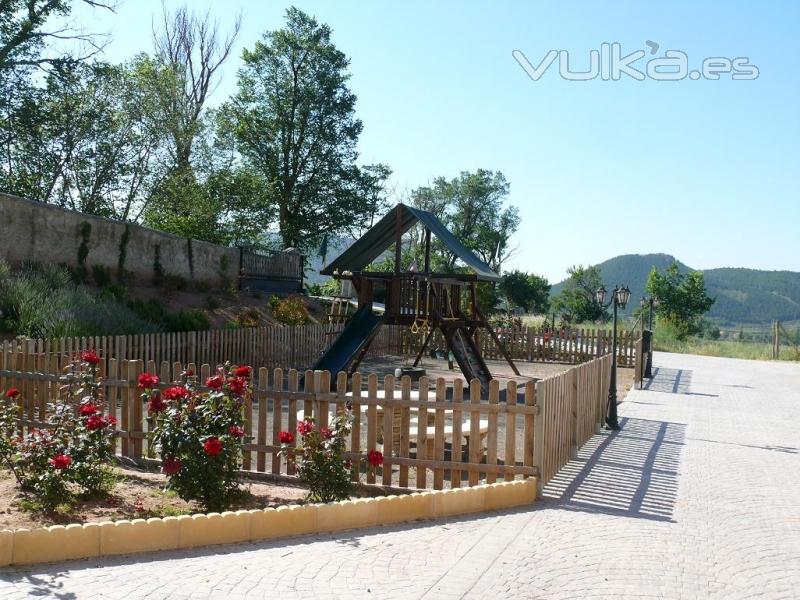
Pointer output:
x,y
271,347
301,346
271,264
568,346
531,430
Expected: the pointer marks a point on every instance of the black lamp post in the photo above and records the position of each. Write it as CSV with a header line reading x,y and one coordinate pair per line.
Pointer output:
x,y
652,303
619,298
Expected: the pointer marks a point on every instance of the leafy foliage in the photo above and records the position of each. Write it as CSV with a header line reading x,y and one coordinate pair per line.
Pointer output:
x,y
42,301
577,302
291,311
472,207
293,119
526,290
320,463
199,434
682,298
76,448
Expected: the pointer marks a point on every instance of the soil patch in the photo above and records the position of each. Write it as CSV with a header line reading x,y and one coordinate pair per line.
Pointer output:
x,y
140,494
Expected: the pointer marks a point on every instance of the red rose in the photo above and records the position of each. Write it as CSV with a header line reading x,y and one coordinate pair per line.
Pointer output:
x,y
155,405
98,422
214,382
326,433
189,373
176,392
12,392
237,385
88,409
148,381
305,427
375,457
111,420
212,446
171,465
244,371
236,431
90,356
287,437
60,461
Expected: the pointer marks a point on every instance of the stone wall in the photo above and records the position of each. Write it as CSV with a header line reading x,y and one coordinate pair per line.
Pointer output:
x,y
44,233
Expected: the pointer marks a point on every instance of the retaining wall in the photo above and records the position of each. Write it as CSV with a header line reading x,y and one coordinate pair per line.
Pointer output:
x,y
49,234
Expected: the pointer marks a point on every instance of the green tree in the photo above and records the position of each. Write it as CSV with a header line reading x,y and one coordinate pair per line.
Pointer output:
x,y
577,302
529,291
23,37
83,139
472,207
293,118
682,298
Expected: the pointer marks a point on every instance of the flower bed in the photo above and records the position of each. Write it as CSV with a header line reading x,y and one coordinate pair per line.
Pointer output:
x,y
139,494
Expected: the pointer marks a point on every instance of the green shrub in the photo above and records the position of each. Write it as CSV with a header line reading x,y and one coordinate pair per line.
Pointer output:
x,y
42,301
199,435
274,302
291,311
248,317
321,464
186,320
76,448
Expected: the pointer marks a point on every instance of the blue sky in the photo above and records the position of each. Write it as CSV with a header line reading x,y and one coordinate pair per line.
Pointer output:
x,y
704,170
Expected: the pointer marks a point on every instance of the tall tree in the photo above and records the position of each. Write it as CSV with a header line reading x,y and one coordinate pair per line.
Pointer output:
x,y
191,50
682,298
23,35
293,118
526,290
83,140
577,302
472,207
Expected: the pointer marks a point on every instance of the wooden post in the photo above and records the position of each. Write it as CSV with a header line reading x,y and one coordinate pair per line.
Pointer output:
x,y
427,251
534,433
573,421
398,239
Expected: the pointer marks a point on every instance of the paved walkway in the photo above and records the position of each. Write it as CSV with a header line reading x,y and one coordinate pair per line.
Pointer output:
x,y
697,497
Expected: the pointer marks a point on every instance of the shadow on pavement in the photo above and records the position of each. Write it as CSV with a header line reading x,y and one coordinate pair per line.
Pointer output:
x,y
673,381
632,472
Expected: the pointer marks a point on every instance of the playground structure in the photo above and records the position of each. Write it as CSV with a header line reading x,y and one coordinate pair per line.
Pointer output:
x,y
422,300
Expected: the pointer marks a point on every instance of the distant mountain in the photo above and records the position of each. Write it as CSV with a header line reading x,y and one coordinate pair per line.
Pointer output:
x,y
743,295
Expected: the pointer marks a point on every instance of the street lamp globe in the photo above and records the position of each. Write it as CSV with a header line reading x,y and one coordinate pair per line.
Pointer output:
x,y
600,294
623,295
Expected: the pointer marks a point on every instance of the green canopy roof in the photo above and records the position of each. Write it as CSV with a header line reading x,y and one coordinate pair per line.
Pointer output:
x,y
383,234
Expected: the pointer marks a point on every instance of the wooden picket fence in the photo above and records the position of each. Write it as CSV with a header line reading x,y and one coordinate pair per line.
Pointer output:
x,y
432,434
272,347
539,344
301,346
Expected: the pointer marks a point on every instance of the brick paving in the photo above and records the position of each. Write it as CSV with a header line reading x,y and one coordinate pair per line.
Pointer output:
x,y
697,497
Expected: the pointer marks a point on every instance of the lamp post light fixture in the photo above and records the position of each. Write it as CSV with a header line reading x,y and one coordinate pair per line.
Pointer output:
x,y
619,299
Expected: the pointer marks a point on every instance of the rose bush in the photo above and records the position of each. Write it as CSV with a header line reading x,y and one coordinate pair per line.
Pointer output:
x,y
76,447
199,433
321,461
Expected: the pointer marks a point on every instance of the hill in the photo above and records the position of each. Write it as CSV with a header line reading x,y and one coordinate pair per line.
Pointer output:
x,y
742,295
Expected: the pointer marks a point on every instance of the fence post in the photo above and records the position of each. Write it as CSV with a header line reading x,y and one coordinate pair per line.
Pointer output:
x,y
534,396
573,401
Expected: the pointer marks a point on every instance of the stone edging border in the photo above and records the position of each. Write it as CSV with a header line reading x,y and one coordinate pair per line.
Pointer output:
x,y
109,538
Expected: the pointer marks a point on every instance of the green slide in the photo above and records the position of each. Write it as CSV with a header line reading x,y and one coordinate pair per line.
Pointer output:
x,y
359,331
